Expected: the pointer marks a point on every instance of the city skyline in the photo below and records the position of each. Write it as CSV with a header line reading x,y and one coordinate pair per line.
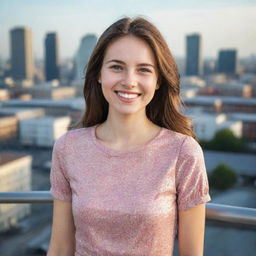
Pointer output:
x,y
220,25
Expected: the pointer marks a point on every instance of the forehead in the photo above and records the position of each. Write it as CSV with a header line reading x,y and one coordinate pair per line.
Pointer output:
x,y
130,48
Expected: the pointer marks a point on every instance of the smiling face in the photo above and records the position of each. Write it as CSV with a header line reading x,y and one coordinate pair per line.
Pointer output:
x,y
128,76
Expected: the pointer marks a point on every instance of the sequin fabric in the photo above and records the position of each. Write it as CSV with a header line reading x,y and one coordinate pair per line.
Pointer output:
x,y
126,203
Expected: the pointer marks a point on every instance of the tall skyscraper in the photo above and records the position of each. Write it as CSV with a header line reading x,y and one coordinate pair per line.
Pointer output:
x,y
193,55
83,54
51,57
21,53
227,61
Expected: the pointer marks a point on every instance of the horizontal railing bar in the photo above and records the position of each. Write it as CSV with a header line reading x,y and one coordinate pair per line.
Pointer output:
x,y
219,212
228,213
26,197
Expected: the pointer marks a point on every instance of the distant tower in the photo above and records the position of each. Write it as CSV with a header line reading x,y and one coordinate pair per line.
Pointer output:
x,y
227,61
193,55
83,54
51,57
21,53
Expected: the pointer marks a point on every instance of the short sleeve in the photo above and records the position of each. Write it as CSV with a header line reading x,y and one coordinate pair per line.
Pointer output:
x,y
60,187
192,185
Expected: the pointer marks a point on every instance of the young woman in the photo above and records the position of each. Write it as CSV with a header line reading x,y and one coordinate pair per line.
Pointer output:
x,y
131,173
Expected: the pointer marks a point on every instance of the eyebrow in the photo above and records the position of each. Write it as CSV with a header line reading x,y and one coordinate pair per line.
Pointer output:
x,y
140,65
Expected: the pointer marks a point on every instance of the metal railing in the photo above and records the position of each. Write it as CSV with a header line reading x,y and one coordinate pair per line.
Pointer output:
x,y
219,212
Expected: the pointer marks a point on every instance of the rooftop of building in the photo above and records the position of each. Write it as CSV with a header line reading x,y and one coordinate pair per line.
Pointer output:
x,y
6,157
69,102
14,110
224,99
230,85
198,110
247,117
46,118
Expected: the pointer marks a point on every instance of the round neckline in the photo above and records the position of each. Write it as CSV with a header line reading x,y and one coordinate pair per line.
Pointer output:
x,y
115,152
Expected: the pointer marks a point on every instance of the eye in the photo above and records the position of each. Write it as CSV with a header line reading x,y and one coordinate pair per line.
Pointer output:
x,y
145,70
116,67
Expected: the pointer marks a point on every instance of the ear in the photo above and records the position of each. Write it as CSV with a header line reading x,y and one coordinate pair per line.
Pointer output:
x,y
99,79
158,82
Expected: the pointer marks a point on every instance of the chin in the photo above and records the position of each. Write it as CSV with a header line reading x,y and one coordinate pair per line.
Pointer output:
x,y
129,112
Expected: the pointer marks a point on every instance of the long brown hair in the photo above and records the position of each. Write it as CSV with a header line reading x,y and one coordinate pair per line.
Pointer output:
x,y
165,108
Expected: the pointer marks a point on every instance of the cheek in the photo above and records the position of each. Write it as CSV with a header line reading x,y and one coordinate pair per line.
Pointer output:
x,y
107,84
150,85
108,79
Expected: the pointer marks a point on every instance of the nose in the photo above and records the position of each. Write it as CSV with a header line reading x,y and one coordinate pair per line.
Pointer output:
x,y
129,80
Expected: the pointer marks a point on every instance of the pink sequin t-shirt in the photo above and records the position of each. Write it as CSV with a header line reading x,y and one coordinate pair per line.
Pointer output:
x,y
127,203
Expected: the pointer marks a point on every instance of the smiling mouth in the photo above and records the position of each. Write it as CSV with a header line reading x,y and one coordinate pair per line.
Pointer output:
x,y
125,95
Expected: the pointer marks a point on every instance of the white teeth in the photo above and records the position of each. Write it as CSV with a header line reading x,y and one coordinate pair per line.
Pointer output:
x,y
127,96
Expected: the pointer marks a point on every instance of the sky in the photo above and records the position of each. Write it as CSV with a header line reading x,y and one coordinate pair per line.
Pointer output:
x,y
222,24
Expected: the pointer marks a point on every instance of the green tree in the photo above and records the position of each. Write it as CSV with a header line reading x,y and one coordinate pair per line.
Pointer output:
x,y
223,177
224,140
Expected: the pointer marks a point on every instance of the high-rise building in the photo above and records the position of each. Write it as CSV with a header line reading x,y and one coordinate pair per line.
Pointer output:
x,y
21,53
193,55
51,57
227,61
83,54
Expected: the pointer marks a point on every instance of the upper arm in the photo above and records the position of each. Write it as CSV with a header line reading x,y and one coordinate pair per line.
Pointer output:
x,y
192,193
191,231
63,230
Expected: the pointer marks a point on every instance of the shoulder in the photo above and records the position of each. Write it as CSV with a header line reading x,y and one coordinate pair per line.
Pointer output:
x,y
190,152
71,137
190,147
184,144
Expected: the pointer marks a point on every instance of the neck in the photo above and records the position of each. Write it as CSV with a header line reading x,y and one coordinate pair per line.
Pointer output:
x,y
127,130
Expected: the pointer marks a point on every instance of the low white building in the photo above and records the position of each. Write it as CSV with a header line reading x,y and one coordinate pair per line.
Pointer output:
x,y
51,91
233,88
21,112
52,107
192,82
43,131
206,124
15,176
249,124
249,78
8,127
10,118
189,92
4,94
224,104
217,78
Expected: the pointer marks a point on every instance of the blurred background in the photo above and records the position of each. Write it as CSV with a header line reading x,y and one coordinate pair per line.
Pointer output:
x,y
44,49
